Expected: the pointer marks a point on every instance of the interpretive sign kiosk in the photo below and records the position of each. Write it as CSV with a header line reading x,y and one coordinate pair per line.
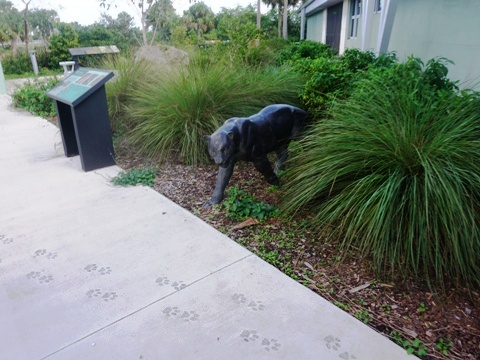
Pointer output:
x,y
82,111
93,50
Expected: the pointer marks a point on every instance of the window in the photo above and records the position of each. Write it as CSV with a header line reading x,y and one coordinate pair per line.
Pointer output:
x,y
355,12
378,6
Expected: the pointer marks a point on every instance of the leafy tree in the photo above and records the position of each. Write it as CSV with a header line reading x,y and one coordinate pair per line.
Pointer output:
x,y
10,21
42,22
95,35
61,42
238,26
282,8
161,18
124,33
153,14
3,37
199,18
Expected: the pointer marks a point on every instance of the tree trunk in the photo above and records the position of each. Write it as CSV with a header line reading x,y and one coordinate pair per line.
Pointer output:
x,y
285,19
144,28
259,14
279,21
25,24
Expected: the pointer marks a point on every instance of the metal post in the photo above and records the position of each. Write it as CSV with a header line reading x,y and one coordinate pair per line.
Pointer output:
x,y
34,62
3,87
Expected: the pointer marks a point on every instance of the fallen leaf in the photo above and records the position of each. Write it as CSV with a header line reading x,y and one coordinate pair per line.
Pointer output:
x,y
308,265
358,288
248,222
409,332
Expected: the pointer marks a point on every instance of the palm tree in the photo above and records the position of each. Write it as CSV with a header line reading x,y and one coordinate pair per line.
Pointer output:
x,y
282,9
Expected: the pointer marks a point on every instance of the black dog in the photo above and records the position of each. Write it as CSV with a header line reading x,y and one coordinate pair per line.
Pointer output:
x,y
251,139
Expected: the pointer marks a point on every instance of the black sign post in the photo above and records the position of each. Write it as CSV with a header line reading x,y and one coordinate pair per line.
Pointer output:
x,y
82,111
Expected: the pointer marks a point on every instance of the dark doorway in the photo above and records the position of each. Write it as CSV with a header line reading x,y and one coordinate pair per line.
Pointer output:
x,y
334,26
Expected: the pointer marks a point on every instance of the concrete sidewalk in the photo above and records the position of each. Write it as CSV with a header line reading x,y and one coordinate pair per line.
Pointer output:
x,y
93,271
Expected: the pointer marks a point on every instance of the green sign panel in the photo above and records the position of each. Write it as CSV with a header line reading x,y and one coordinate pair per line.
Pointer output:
x,y
79,85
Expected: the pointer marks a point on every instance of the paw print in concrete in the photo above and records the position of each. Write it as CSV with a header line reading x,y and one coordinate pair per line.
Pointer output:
x,y
271,344
51,256
251,304
109,296
91,267
346,356
332,343
162,281
40,252
33,275
175,312
268,344
42,279
94,293
43,252
45,279
5,240
104,270
239,298
171,311
189,316
249,335
179,285
256,305
98,293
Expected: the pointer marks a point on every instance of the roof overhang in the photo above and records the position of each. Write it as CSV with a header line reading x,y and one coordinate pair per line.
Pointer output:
x,y
311,7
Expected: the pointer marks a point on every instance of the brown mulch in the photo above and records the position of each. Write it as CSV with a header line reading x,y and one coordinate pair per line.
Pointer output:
x,y
401,309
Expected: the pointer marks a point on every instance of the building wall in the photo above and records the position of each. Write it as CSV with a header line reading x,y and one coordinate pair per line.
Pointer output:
x,y
440,28
315,27
425,28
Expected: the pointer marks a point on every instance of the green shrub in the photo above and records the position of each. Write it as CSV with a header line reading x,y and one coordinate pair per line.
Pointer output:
x,y
355,59
305,50
136,176
16,63
175,113
393,171
240,206
33,97
332,78
60,43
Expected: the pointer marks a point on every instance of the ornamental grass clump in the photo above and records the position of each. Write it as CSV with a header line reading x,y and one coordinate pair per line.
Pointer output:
x,y
130,75
394,172
173,115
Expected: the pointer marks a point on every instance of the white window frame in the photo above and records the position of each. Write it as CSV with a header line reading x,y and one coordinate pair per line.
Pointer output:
x,y
355,14
378,6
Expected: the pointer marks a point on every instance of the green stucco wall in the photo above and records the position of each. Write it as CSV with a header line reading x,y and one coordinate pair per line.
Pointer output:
x,y
315,27
440,28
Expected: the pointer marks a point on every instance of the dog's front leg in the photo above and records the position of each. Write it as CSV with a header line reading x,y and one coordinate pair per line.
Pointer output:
x,y
223,177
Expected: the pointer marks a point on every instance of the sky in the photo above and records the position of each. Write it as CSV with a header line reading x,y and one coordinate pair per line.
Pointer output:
x,y
86,12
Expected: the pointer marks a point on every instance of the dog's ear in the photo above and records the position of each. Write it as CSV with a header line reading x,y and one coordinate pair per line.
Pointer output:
x,y
207,138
